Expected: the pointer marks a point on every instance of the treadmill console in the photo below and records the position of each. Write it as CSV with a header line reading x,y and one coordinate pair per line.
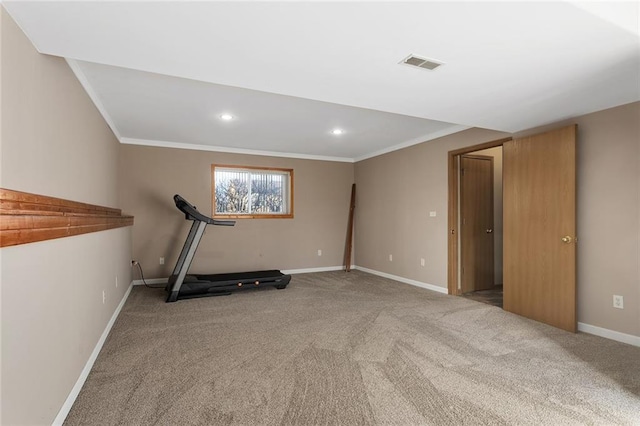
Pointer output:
x,y
191,213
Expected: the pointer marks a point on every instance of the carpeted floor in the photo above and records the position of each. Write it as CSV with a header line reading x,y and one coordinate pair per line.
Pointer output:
x,y
340,348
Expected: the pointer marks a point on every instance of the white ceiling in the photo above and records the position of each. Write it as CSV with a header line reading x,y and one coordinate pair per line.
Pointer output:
x,y
156,109
162,72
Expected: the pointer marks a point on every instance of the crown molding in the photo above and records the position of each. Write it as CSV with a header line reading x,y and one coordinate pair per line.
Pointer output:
x,y
198,147
431,136
84,81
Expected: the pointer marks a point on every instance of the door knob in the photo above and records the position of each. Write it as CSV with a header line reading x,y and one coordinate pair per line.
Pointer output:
x,y
567,239
489,231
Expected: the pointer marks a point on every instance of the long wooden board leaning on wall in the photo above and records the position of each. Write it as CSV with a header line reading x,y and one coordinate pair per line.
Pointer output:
x,y
27,218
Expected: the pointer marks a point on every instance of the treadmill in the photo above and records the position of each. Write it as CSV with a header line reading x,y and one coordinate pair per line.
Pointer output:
x,y
183,286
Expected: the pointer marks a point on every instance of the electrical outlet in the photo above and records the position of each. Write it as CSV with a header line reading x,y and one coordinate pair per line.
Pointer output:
x,y
104,296
134,263
618,301
390,258
421,262
319,252
162,260
432,214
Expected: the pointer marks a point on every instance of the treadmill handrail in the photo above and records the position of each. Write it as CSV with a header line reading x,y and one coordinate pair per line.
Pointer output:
x,y
191,213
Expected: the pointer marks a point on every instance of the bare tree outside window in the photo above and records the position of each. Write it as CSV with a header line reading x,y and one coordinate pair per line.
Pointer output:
x,y
252,192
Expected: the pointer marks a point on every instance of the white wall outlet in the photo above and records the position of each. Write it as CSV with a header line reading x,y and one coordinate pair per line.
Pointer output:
x,y
104,296
162,260
618,301
319,252
390,258
432,214
421,262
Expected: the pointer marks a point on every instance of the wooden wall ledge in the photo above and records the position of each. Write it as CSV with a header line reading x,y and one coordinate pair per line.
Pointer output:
x,y
27,218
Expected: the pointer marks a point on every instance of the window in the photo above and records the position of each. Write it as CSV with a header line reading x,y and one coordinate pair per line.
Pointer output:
x,y
251,192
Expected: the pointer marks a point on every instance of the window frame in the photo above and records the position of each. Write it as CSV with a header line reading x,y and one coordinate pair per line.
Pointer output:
x,y
250,169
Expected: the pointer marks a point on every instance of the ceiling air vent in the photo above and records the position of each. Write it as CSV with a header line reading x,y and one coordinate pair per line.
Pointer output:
x,y
416,61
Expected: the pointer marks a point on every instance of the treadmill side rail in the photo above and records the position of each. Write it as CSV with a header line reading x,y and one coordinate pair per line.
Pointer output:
x,y
173,296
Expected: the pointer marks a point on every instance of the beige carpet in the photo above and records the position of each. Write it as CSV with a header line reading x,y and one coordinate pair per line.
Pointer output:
x,y
340,348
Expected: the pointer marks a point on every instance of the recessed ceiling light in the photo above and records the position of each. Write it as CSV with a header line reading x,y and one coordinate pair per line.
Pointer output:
x,y
226,117
337,131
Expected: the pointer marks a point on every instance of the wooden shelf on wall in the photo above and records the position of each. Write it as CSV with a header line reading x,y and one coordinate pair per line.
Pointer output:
x,y
28,218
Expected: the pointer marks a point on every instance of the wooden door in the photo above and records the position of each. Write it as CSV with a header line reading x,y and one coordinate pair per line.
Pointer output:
x,y
539,196
476,223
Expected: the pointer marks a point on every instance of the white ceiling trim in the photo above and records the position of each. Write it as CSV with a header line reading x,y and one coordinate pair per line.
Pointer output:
x,y
196,147
432,136
84,81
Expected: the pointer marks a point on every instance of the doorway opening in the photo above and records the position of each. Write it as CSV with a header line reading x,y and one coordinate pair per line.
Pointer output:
x,y
480,225
475,217
539,220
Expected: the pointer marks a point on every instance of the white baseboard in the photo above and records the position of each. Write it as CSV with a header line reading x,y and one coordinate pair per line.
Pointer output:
x,y
609,334
66,407
311,270
403,280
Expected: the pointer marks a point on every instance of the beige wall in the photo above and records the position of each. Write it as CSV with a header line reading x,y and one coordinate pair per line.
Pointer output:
x,y
150,176
54,142
397,190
